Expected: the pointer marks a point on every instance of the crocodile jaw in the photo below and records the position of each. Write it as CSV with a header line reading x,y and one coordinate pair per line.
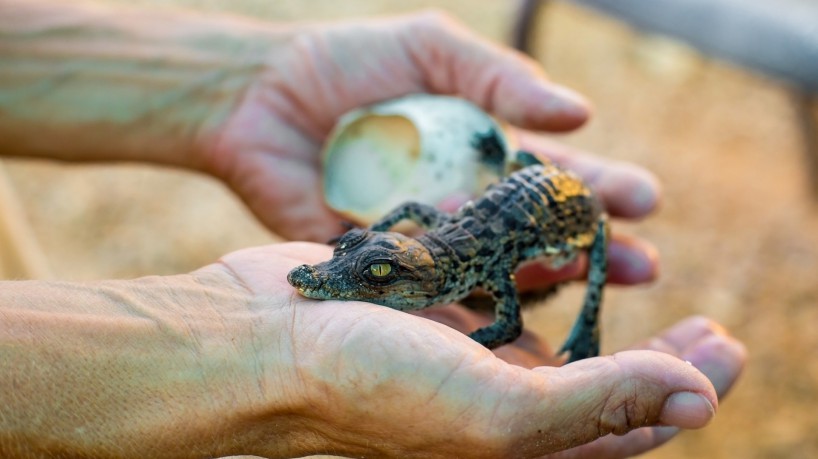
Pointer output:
x,y
308,281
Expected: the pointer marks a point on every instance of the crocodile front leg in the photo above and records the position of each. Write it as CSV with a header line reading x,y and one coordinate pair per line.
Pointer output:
x,y
423,215
508,323
583,342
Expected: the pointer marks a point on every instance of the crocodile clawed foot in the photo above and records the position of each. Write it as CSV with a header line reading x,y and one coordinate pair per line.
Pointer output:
x,y
497,334
582,344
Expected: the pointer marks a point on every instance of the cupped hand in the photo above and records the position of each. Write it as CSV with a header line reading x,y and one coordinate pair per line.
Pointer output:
x,y
377,382
268,150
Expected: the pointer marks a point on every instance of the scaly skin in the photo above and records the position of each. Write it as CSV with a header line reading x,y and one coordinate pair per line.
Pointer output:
x,y
540,210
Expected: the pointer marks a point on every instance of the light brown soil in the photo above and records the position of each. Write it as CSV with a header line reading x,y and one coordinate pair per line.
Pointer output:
x,y
738,234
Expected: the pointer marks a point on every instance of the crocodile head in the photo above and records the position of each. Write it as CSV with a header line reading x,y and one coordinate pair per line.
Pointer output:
x,y
384,268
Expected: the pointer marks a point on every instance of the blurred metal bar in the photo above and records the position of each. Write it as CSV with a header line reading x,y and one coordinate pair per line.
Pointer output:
x,y
779,39
525,23
807,106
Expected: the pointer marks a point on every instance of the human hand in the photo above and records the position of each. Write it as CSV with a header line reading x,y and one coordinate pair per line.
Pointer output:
x,y
375,381
268,149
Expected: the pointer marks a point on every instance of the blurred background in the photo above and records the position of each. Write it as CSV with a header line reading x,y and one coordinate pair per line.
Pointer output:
x,y
737,231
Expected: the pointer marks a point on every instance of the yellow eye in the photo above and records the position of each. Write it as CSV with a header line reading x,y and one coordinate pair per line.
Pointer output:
x,y
380,269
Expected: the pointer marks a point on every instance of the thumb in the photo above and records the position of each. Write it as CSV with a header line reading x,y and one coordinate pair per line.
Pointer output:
x,y
592,398
454,60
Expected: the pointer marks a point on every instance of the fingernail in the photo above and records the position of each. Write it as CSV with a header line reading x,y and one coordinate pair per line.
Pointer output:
x,y
644,198
687,410
566,102
579,105
638,266
635,262
639,187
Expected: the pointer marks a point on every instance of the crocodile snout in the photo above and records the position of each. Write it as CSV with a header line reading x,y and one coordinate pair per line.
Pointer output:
x,y
305,278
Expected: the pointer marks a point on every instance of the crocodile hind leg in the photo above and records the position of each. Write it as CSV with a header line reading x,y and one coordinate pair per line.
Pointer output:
x,y
508,323
423,215
583,342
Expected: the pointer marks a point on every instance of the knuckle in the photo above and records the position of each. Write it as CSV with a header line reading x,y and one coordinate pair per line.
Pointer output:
x,y
623,411
436,21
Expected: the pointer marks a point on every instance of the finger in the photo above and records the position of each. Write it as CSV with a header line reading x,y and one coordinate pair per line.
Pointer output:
x,y
635,389
538,275
688,333
615,447
707,345
456,61
627,191
630,261
575,404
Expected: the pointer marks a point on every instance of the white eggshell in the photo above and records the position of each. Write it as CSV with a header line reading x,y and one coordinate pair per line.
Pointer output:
x,y
414,148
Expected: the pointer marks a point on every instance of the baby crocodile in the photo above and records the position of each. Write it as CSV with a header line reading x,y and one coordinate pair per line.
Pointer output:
x,y
540,210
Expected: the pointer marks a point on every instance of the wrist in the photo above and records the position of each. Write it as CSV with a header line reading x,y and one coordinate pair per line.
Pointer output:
x,y
177,366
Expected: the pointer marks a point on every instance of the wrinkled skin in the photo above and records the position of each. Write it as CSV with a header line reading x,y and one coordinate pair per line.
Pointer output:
x,y
371,371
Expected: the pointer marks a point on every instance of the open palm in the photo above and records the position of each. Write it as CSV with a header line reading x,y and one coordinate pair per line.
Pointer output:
x,y
387,383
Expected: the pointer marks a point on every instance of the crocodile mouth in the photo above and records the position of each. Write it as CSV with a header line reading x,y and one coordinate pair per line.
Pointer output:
x,y
313,293
306,281
306,293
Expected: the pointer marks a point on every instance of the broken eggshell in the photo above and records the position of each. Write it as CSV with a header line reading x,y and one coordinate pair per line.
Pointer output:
x,y
420,148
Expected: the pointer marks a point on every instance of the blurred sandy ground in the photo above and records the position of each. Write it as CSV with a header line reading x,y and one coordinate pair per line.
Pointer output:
x,y
737,233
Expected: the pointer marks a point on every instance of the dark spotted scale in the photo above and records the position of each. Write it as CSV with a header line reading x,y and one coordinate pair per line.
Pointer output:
x,y
538,211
